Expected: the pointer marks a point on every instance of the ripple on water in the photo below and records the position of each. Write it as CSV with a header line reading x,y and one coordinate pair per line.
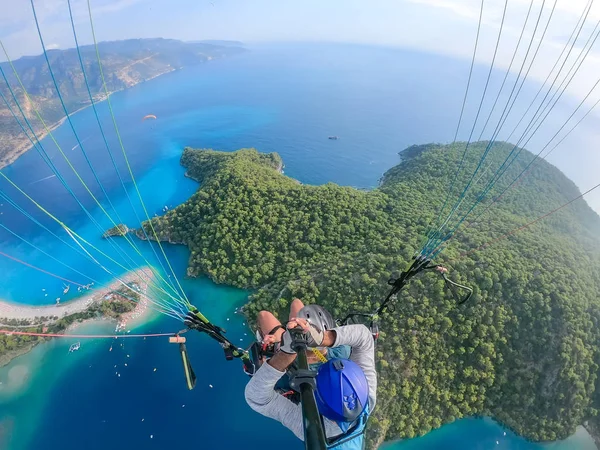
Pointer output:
x,y
6,427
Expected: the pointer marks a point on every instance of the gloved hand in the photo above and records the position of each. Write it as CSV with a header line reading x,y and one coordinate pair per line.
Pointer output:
x,y
286,343
314,335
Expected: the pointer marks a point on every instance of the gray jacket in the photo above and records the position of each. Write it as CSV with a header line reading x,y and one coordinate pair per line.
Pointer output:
x,y
262,397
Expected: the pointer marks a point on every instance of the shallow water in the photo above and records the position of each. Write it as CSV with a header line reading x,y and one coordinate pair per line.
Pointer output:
x,y
484,434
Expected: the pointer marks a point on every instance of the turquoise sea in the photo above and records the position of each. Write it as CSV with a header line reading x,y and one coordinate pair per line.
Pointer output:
x,y
284,98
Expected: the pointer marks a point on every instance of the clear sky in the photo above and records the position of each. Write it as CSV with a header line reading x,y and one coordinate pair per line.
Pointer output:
x,y
440,26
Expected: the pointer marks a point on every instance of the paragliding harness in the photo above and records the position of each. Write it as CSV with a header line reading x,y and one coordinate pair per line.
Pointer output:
x,y
302,379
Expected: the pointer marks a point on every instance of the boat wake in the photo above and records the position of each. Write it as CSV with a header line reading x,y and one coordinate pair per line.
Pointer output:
x,y
77,145
42,179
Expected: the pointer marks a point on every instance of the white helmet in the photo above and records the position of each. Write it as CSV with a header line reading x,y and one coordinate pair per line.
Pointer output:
x,y
317,316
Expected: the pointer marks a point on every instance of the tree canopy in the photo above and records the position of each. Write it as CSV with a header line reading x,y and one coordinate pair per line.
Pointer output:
x,y
525,349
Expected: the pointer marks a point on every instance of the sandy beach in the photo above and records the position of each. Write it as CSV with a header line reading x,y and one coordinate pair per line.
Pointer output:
x,y
136,317
20,312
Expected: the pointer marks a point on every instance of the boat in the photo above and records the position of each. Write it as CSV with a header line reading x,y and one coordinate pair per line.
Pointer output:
x,y
333,138
74,347
66,288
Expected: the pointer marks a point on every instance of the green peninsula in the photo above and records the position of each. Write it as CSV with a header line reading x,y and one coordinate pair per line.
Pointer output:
x,y
525,350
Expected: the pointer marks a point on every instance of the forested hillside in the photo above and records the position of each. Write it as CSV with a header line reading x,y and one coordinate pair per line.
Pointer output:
x,y
525,349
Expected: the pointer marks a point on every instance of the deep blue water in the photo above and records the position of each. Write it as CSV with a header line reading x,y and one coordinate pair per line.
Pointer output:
x,y
287,99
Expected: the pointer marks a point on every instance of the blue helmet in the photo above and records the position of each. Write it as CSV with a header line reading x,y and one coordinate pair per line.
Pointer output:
x,y
342,391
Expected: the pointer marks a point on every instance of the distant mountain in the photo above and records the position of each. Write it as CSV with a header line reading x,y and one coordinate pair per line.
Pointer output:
x,y
125,64
223,43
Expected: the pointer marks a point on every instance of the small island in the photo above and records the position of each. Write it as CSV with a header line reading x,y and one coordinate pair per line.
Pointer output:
x,y
525,350
119,230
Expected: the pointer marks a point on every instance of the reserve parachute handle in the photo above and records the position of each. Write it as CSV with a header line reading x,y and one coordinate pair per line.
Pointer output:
x,y
453,286
420,264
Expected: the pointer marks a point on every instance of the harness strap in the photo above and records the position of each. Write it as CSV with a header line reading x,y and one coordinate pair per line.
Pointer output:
x,y
275,329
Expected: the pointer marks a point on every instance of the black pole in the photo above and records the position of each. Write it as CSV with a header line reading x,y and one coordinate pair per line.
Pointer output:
x,y
314,433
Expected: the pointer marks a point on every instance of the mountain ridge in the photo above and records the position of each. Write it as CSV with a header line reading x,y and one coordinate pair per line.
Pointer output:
x,y
125,63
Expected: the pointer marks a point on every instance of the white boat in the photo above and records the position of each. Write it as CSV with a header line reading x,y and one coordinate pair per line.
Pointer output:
x,y
74,347
66,288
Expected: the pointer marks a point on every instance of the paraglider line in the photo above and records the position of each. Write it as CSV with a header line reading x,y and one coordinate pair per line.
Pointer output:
x,y
529,224
185,300
40,270
87,336
40,148
504,167
462,110
506,111
51,72
93,103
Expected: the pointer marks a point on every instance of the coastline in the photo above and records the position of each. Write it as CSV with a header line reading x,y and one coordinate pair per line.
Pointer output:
x,y
140,314
593,430
494,433
13,311
23,146
7,357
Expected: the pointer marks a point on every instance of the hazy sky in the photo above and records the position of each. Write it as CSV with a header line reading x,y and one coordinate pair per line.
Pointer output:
x,y
441,26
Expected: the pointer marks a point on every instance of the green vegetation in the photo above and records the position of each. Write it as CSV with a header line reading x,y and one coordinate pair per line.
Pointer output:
x,y
119,230
15,345
525,349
